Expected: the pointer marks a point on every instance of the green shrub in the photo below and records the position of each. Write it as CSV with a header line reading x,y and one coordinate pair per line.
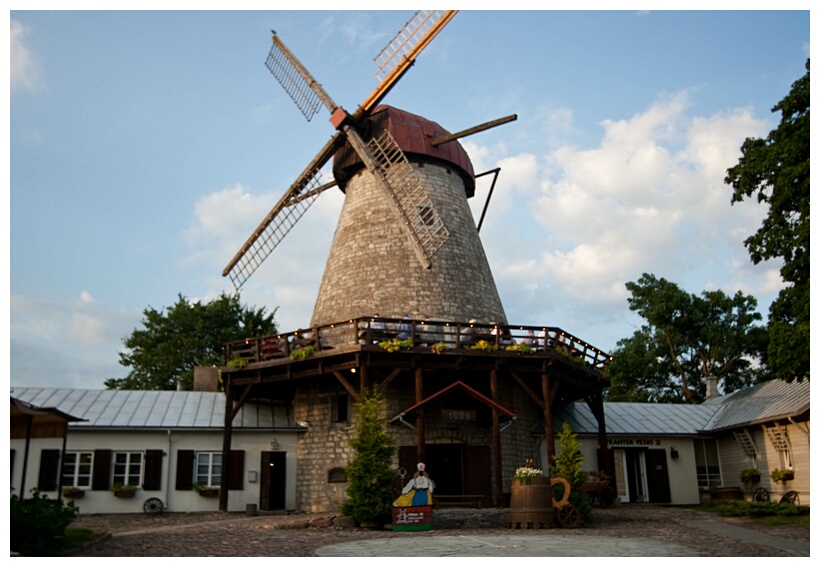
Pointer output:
x,y
369,475
38,525
568,464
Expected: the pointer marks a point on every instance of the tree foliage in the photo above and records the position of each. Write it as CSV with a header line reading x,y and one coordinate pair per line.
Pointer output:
x,y
568,464
369,475
777,170
173,341
686,339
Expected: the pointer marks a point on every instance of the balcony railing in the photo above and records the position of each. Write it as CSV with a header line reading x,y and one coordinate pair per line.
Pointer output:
x,y
430,335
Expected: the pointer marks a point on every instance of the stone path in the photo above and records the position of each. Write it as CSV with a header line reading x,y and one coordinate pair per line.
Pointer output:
x,y
630,530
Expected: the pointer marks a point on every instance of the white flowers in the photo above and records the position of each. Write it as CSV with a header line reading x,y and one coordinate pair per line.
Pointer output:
x,y
528,472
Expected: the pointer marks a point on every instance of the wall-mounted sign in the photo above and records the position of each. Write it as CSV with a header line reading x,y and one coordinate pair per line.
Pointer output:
x,y
633,442
458,415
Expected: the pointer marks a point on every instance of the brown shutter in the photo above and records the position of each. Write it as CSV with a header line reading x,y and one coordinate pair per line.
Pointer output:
x,y
49,468
185,469
237,465
101,475
152,478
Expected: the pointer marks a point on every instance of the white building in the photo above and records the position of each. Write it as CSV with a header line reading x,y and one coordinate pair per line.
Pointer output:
x,y
167,443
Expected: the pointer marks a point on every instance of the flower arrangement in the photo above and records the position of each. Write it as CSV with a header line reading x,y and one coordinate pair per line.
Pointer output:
x,y
73,492
782,475
302,353
394,345
526,473
123,490
438,348
749,476
238,363
522,348
207,491
484,346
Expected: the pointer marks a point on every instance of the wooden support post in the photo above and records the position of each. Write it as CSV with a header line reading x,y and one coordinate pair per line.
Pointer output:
x,y
548,432
498,484
419,417
596,404
226,448
363,380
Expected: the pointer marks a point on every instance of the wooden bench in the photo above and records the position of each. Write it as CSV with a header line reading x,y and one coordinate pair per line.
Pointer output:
x,y
466,500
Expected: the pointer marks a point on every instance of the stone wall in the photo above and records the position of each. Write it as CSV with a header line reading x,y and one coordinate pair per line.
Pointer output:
x,y
372,268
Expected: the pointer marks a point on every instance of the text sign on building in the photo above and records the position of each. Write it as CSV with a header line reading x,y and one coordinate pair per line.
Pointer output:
x,y
634,442
458,415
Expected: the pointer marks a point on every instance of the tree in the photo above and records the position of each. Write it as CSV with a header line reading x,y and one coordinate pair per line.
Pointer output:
x,y
687,338
568,464
188,334
778,170
369,475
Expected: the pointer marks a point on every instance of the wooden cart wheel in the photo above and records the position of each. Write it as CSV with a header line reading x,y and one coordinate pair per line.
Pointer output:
x,y
152,506
790,497
761,495
607,497
568,516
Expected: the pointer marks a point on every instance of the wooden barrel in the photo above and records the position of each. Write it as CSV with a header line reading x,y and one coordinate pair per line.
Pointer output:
x,y
531,504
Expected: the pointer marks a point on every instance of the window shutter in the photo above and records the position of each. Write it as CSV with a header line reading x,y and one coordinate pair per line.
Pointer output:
x,y
152,477
185,469
237,465
49,467
101,476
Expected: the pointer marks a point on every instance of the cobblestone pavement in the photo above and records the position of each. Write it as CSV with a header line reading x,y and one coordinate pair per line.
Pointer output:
x,y
238,535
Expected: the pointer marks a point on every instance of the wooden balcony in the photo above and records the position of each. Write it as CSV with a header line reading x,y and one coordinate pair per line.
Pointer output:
x,y
433,336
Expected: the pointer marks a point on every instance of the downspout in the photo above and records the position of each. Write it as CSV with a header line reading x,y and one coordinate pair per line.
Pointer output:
x,y
168,474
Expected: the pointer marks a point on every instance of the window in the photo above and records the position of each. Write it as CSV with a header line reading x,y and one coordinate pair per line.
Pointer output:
x,y
338,408
128,468
77,469
706,462
208,469
336,474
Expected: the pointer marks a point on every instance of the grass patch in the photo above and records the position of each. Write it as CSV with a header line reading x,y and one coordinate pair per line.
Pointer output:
x,y
768,513
76,538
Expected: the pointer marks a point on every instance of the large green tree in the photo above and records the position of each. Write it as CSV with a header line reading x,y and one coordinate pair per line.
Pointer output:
x,y
173,341
686,338
777,170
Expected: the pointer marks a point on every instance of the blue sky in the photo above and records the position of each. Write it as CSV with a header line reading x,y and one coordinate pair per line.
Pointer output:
x,y
146,146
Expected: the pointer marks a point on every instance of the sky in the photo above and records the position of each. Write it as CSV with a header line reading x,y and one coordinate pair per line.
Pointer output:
x,y
145,146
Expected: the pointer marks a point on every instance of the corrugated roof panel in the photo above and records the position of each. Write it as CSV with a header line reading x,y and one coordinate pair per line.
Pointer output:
x,y
156,409
764,402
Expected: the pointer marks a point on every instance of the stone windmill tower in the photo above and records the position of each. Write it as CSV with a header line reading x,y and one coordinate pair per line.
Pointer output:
x,y
406,242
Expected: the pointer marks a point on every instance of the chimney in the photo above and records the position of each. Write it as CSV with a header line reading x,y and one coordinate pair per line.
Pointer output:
x,y
712,387
206,379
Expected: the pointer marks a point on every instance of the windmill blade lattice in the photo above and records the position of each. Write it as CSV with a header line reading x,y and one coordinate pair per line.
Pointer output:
x,y
283,66
408,193
271,232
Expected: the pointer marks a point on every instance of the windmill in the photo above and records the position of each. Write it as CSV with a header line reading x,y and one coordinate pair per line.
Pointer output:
x,y
398,199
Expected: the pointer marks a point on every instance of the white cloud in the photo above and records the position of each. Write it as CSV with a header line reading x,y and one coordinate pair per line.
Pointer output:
x,y
649,198
25,71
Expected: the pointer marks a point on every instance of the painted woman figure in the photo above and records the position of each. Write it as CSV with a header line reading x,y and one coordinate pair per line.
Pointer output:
x,y
418,491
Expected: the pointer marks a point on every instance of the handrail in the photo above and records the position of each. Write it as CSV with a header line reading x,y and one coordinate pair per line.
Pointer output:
x,y
437,335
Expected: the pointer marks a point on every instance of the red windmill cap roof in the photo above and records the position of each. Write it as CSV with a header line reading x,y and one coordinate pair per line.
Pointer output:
x,y
413,134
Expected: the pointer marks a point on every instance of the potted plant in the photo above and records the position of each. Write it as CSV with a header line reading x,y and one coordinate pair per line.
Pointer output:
x,y
206,491
123,490
302,353
73,492
484,346
520,348
438,348
782,475
750,476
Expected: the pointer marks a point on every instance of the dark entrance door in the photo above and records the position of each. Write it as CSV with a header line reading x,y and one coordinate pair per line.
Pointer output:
x,y
657,476
272,490
455,469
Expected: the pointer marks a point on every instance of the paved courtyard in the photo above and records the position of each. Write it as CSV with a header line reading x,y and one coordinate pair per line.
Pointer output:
x,y
627,531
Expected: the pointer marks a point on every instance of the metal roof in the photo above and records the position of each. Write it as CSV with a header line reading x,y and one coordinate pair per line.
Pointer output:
x,y
134,409
624,418
769,401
